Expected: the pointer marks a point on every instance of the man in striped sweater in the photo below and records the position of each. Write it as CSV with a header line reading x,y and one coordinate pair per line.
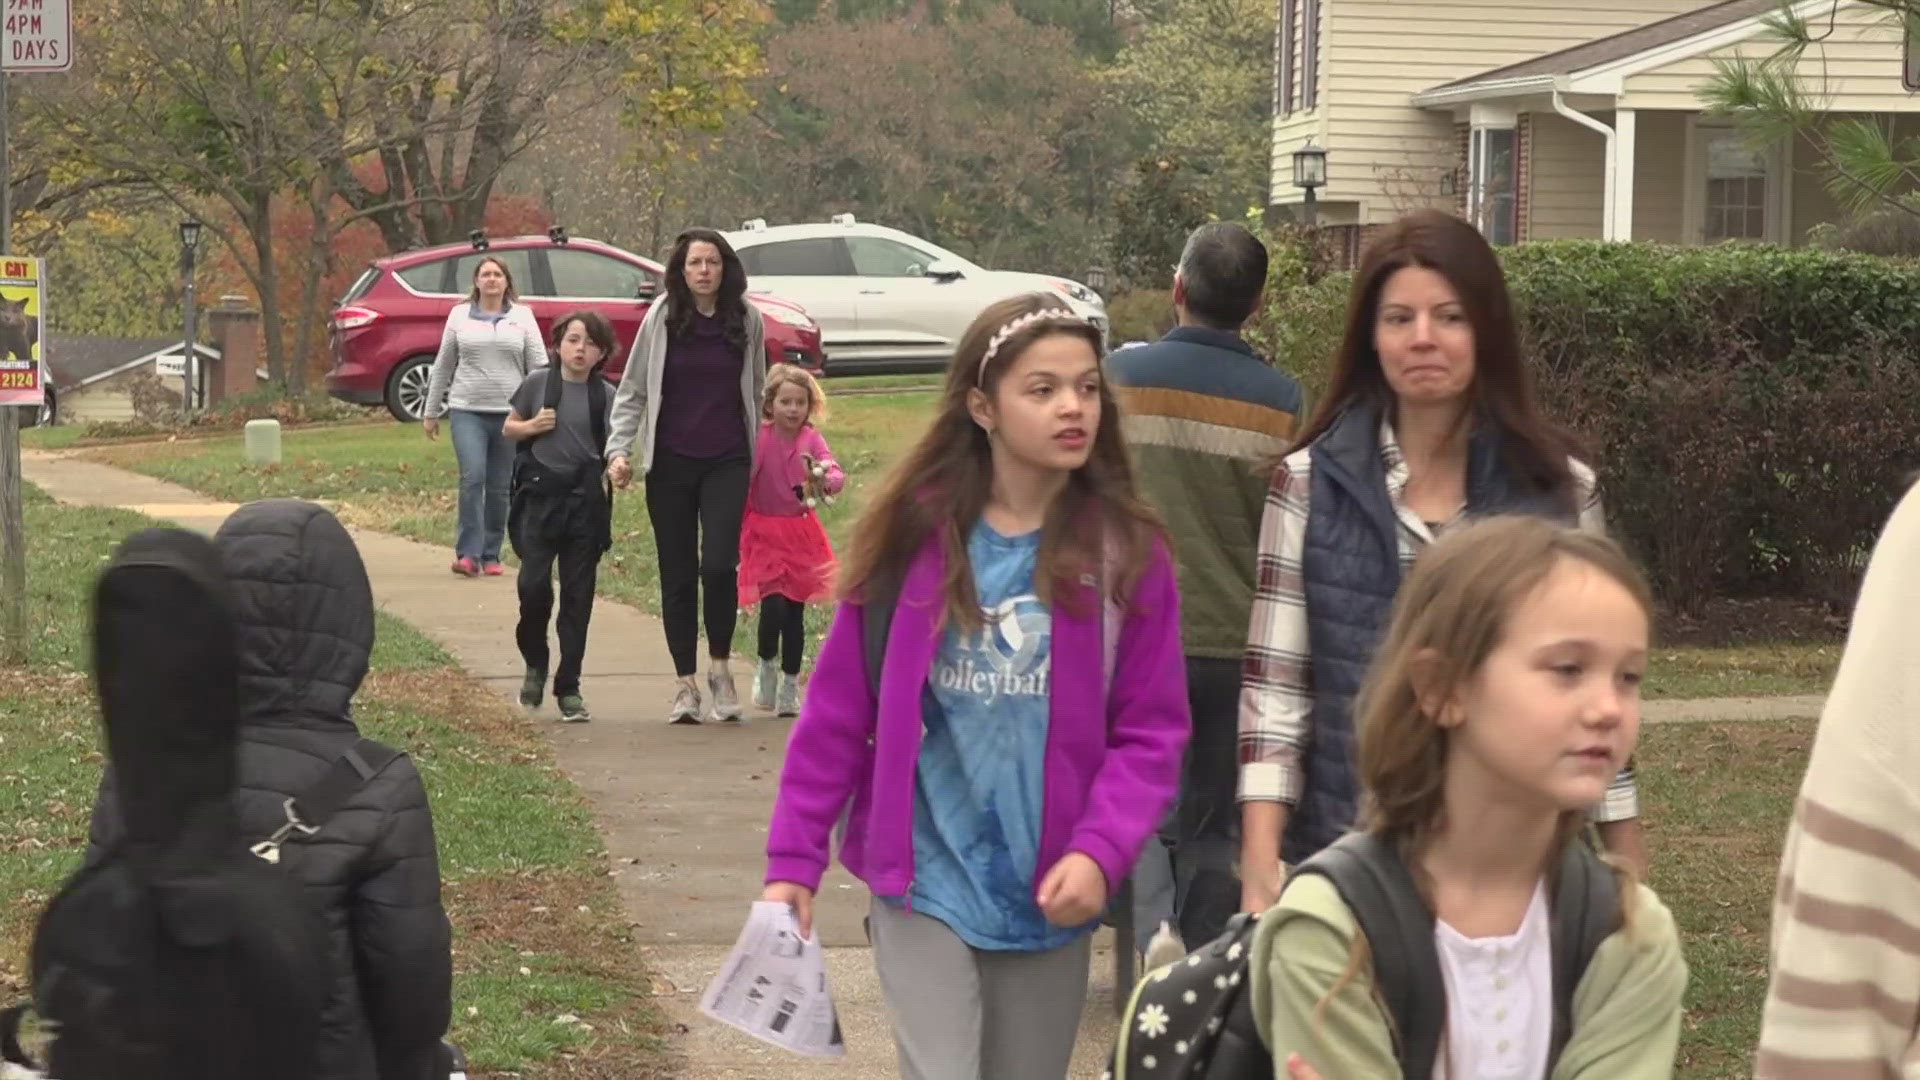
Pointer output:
x,y
1844,1001
1206,419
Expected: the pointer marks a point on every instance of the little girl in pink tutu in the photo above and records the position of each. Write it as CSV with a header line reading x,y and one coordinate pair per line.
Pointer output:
x,y
786,561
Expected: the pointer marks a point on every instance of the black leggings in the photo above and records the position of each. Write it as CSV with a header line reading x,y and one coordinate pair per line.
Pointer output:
x,y
695,505
783,629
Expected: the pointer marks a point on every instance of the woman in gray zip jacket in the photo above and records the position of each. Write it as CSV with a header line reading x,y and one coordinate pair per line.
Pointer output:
x,y
689,402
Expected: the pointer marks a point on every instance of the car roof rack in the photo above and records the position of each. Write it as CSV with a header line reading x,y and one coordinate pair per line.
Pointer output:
x,y
758,224
841,219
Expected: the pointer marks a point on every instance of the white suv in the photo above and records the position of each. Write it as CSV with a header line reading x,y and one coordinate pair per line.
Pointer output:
x,y
886,300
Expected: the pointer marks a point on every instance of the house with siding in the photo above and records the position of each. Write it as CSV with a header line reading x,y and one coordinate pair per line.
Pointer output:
x,y
1541,119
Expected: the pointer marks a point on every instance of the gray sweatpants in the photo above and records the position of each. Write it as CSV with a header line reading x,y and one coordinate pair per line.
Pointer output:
x,y
961,1013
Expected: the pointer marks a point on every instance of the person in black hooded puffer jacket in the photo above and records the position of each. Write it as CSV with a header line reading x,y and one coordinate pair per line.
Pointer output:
x,y
305,631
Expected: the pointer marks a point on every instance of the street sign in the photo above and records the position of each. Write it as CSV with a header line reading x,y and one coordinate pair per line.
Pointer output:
x,y
37,35
22,318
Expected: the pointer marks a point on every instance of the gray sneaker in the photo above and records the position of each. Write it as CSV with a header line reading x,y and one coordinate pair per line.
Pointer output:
x,y
765,679
686,705
726,699
787,703
533,688
573,709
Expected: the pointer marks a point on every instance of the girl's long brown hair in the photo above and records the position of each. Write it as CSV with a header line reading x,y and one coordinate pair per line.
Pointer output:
x,y
1502,386
941,487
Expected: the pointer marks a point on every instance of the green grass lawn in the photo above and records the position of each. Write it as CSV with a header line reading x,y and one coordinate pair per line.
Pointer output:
x,y
538,930
1767,670
392,478
1717,798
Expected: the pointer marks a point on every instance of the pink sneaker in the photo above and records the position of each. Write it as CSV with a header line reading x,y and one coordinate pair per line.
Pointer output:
x,y
465,567
494,569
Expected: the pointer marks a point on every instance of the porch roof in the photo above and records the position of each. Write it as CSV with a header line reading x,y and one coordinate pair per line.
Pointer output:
x,y
1559,70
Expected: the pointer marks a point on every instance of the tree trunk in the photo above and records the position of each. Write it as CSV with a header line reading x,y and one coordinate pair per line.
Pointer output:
x,y
260,224
320,264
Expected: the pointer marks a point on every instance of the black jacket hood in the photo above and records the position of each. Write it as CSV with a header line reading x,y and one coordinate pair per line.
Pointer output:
x,y
304,610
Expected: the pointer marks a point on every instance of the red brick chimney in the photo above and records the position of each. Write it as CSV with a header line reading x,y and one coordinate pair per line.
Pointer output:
x,y
235,329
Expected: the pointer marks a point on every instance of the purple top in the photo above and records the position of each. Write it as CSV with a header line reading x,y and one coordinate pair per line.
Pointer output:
x,y
1113,753
700,394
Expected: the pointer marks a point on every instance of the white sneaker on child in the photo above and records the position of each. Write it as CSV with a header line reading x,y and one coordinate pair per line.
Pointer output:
x,y
1165,948
788,703
765,679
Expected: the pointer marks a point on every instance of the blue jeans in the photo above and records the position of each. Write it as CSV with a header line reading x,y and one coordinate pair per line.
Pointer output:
x,y
486,465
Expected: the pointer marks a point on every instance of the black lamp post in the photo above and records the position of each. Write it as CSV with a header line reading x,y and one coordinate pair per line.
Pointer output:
x,y
189,242
1309,175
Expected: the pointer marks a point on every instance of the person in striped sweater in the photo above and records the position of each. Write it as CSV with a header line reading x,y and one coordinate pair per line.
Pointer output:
x,y
1844,997
490,344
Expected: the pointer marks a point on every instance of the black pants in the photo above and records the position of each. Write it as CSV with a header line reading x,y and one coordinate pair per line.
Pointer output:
x,y
577,553
1205,824
696,505
783,630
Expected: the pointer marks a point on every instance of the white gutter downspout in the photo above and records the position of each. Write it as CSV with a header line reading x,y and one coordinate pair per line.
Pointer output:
x,y
1607,201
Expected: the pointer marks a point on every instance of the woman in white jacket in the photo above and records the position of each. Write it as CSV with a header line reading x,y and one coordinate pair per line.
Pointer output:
x,y
490,344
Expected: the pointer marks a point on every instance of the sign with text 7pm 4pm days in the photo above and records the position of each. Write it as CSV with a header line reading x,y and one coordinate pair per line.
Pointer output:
x,y
37,35
22,314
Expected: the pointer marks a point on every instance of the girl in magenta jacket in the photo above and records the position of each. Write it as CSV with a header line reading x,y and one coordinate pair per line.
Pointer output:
x,y
1026,730
786,562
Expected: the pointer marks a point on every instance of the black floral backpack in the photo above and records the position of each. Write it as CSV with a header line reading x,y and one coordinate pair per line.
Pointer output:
x,y
1193,1019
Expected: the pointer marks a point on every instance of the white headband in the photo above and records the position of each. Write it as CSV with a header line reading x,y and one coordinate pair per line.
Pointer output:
x,y
1015,325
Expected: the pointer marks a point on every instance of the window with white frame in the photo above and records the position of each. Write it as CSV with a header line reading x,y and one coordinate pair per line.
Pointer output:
x,y
1739,188
1298,52
1493,174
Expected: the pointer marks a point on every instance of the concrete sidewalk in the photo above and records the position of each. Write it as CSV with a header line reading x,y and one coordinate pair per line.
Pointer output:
x,y
683,809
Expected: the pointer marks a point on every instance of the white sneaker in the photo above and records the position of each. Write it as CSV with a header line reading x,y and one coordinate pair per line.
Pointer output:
x,y
686,705
765,679
726,699
1165,948
787,703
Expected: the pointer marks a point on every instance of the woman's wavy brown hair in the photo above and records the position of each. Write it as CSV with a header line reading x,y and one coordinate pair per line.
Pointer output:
x,y
941,487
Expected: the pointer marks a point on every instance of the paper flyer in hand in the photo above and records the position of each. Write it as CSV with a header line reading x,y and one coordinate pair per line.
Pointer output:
x,y
774,986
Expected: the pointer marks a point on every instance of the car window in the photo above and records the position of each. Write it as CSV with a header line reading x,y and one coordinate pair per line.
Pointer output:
x,y
793,258
590,274
519,267
877,257
361,284
427,277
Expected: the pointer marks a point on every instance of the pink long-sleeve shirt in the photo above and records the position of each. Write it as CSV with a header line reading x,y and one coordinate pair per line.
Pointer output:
x,y
779,465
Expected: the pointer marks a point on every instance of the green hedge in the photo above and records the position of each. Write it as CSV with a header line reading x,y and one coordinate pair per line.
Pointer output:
x,y
1754,411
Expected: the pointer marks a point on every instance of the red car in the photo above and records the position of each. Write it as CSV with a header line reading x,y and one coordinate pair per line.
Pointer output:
x,y
386,329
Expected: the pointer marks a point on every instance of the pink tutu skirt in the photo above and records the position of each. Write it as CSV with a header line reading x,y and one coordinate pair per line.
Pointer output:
x,y
785,555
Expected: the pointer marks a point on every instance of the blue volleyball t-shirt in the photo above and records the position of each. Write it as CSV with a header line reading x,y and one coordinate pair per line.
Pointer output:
x,y
980,785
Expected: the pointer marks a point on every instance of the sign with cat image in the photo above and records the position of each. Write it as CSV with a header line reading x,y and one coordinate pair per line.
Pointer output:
x,y
22,314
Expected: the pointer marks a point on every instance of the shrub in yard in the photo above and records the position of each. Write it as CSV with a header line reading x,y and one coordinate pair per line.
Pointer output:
x,y
1140,315
1754,411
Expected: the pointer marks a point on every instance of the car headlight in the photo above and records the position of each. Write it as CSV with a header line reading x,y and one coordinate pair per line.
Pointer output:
x,y
789,317
1076,291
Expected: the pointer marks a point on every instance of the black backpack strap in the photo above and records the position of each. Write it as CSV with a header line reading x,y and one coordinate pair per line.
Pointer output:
x,y
1374,882
1585,903
310,810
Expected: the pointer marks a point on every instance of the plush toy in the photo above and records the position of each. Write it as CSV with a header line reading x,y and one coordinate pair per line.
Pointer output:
x,y
814,492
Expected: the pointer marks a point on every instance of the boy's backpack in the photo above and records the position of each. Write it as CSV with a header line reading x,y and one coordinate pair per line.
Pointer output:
x,y
1194,1019
173,954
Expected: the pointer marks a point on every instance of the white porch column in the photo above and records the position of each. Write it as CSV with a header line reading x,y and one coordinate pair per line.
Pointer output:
x,y
1620,176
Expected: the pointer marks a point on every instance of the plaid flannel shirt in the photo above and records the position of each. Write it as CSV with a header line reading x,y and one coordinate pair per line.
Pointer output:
x,y
1276,693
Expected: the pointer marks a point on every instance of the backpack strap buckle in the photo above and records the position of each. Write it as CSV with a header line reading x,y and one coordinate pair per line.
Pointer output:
x,y
269,849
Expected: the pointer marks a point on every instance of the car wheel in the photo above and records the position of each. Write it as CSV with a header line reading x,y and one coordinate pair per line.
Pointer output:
x,y
407,388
